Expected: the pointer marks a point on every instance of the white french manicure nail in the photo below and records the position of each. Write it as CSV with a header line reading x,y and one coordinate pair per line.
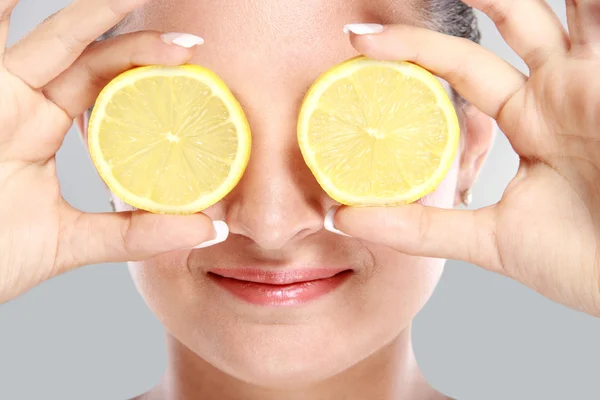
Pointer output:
x,y
363,29
182,39
222,231
329,225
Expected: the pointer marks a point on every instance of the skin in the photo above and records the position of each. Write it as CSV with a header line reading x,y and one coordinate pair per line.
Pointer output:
x,y
276,220
338,346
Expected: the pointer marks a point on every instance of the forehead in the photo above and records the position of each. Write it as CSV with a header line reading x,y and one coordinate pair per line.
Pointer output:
x,y
277,14
282,45
272,28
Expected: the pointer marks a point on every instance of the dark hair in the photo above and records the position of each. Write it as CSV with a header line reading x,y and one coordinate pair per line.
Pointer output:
x,y
452,17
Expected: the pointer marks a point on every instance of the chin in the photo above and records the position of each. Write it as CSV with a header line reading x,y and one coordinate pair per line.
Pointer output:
x,y
287,356
284,372
214,331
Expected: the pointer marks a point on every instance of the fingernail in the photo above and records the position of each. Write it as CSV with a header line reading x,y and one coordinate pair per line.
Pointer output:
x,y
182,39
329,224
363,29
222,231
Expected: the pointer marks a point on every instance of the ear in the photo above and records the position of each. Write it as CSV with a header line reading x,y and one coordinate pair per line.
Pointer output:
x,y
478,137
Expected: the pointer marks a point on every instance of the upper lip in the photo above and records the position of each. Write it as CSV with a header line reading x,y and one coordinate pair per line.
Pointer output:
x,y
277,277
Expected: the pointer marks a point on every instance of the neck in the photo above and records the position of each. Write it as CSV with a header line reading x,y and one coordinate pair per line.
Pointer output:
x,y
390,373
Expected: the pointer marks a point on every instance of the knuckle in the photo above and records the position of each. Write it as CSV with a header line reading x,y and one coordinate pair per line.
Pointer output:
x,y
459,75
424,225
71,44
124,240
50,18
6,10
131,43
139,41
498,11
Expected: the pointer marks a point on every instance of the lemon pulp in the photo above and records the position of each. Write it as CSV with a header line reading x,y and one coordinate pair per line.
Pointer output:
x,y
169,139
378,132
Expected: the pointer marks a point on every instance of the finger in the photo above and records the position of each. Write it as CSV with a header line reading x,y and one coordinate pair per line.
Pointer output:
x,y
481,77
575,33
530,28
131,236
583,18
6,8
426,231
55,44
76,89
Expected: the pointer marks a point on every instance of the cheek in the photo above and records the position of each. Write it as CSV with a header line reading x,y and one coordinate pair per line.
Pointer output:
x,y
402,283
166,286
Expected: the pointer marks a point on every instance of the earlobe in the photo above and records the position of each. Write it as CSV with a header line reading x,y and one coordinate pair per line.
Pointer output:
x,y
480,131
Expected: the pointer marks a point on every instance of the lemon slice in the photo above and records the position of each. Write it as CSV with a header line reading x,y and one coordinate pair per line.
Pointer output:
x,y
170,140
377,133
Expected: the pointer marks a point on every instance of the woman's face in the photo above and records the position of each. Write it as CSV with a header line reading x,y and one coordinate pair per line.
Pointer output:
x,y
269,52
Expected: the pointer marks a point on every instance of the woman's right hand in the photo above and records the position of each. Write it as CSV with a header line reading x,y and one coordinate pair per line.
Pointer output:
x,y
46,80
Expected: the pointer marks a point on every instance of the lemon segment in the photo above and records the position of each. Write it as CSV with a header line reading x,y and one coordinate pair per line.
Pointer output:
x,y
378,133
169,140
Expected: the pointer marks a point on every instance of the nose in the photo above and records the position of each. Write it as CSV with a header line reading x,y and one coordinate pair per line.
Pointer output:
x,y
277,202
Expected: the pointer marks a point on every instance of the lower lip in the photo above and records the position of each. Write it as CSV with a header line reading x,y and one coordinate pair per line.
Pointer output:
x,y
263,294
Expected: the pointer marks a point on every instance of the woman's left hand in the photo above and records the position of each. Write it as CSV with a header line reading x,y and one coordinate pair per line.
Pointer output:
x,y
545,231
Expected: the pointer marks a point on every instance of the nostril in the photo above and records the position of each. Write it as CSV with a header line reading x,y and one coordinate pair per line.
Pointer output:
x,y
272,233
272,209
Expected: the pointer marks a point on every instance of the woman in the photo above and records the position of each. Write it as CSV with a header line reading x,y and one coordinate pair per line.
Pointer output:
x,y
373,268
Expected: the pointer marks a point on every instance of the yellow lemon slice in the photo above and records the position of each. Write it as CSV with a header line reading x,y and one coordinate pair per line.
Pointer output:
x,y
170,140
378,133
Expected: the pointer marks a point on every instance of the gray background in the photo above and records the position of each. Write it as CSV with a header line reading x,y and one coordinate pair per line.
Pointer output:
x,y
88,334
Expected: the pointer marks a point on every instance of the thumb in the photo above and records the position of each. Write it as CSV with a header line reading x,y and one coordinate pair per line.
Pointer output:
x,y
132,236
424,231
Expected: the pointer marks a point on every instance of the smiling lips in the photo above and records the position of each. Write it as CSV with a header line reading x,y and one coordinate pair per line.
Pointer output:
x,y
279,288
